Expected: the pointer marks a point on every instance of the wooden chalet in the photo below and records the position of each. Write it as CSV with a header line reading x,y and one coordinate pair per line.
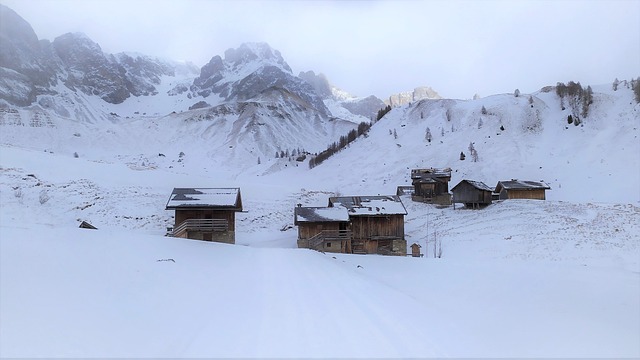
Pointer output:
x,y
323,228
520,189
377,223
431,185
205,213
473,194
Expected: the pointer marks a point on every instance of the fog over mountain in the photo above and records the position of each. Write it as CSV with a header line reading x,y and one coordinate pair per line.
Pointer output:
x,y
91,136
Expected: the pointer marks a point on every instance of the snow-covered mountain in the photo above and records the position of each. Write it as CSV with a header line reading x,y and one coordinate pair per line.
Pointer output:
x,y
250,96
104,138
75,61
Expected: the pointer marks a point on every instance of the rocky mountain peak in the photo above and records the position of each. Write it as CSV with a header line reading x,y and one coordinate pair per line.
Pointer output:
x,y
419,93
250,72
77,49
319,82
15,30
254,52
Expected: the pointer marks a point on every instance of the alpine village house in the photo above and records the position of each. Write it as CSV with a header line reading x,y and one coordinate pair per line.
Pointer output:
x,y
354,225
431,185
521,189
205,213
473,194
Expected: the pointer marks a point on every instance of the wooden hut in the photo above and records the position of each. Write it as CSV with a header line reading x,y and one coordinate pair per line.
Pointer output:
x,y
521,189
323,228
473,194
377,223
415,250
431,185
205,213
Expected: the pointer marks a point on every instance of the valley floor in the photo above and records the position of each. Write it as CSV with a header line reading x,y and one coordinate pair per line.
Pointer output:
x,y
517,279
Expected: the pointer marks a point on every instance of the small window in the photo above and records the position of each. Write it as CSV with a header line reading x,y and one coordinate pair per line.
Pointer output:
x,y
328,244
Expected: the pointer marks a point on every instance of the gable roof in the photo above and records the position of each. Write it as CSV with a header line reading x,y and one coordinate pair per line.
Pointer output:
x,y
521,185
432,173
476,184
205,198
370,205
320,214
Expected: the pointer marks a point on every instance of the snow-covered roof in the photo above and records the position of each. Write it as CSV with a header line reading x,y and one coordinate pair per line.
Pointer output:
x,y
227,198
370,205
521,185
476,184
320,214
430,173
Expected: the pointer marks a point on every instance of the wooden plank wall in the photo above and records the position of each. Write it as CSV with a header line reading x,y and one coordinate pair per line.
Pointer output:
x,y
538,194
309,230
363,227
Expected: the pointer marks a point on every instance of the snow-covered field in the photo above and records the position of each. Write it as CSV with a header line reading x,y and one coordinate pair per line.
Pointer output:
x,y
555,278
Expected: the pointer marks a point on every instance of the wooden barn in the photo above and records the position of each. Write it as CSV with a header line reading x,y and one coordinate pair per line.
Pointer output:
x,y
323,228
205,213
521,189
473,194
431,185
377,223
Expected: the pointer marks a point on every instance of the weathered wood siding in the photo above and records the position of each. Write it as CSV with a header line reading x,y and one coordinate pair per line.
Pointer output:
x,y
536,194
228,237
308,230
428,189
335,246
366,227
468,194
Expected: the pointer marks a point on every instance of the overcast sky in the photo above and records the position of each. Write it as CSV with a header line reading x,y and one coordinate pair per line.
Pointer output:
x,y
459,48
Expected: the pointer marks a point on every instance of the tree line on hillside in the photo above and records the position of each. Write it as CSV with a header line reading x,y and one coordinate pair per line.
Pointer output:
x,y
634,84
363,129
578,98
334,147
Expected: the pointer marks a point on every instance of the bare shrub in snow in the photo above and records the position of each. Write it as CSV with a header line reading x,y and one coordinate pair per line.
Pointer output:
x,y
44,197
473,152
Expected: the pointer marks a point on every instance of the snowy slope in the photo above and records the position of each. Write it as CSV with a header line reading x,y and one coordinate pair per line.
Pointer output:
x,y
520,279
555,278
580,163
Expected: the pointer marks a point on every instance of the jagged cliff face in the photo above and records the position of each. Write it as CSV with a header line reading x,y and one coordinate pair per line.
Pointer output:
x,y
245,104
250,71
32,67
366,107
419,93
25,66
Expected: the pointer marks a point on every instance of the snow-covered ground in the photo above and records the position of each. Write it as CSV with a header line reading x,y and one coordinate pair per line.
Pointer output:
x,y
555,278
